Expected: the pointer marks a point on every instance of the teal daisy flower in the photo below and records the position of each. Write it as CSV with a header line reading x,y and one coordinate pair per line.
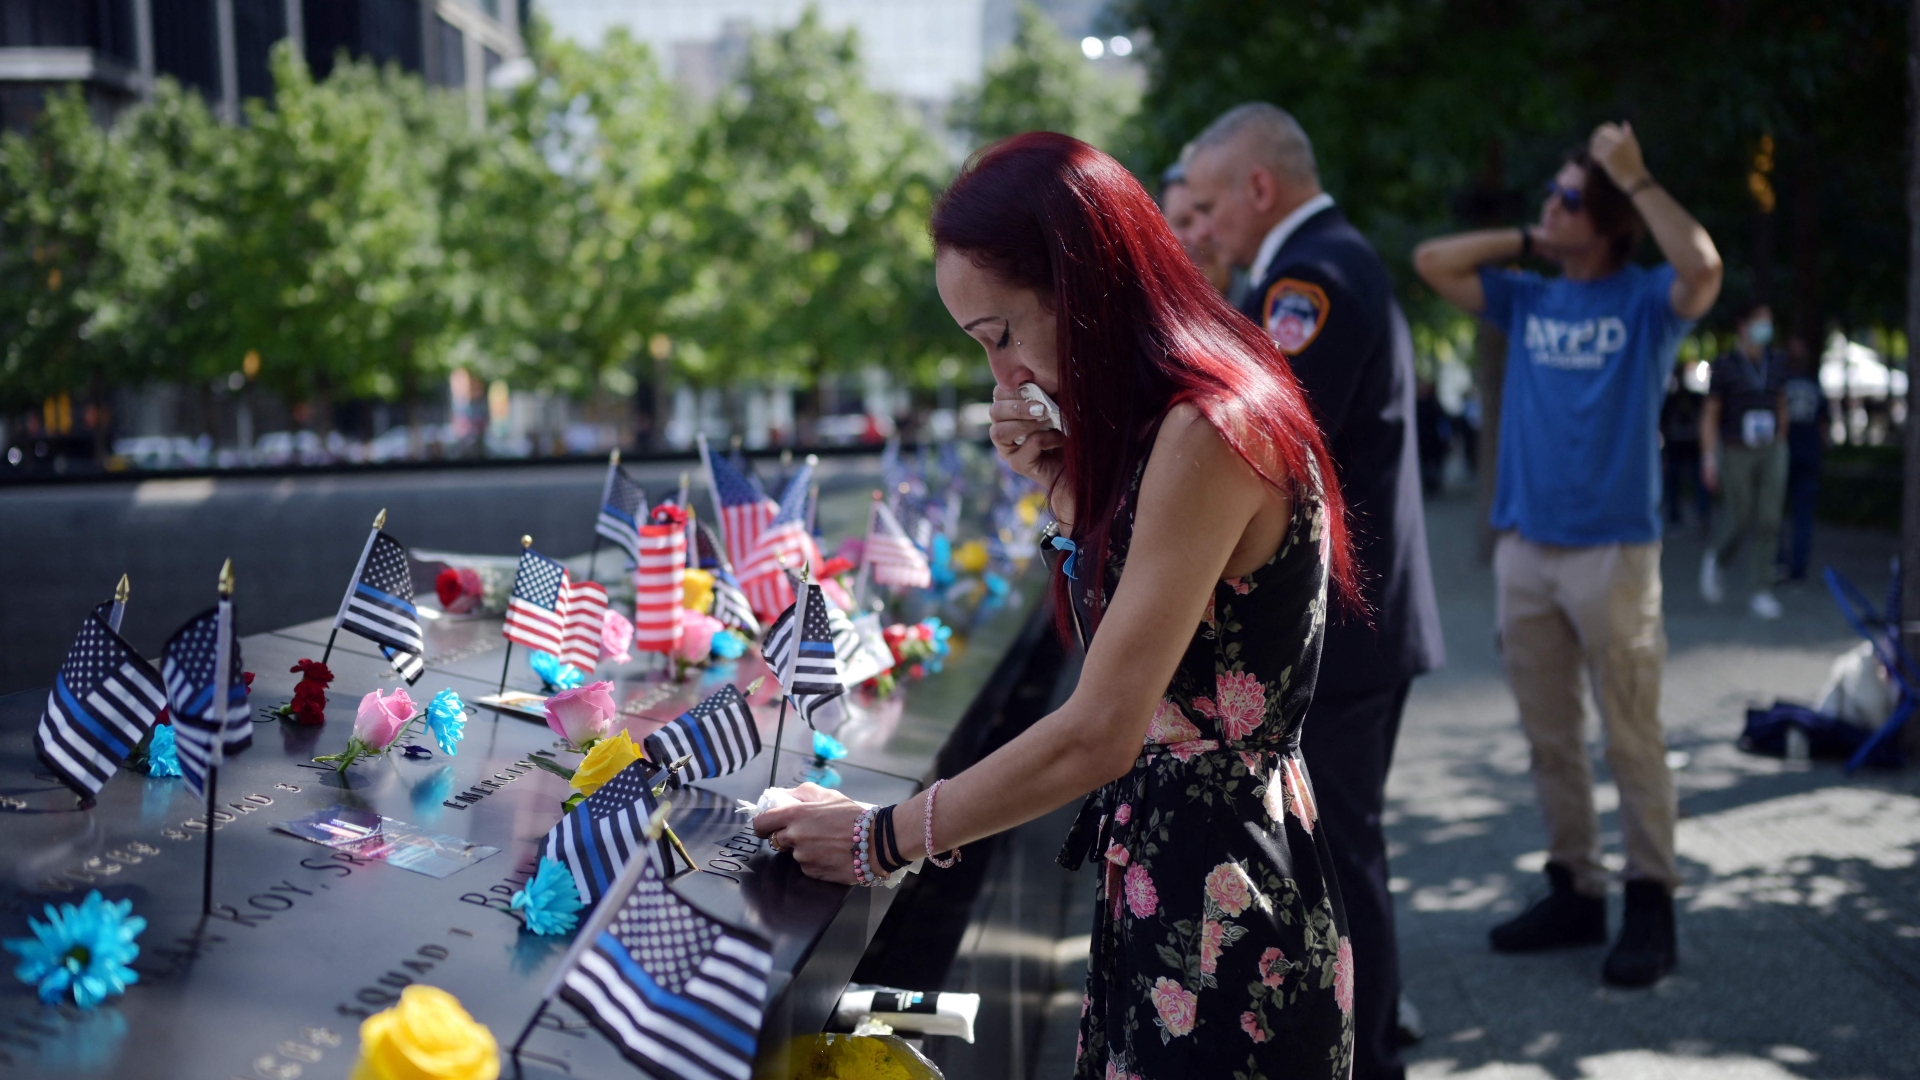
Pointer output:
x,y
163,758
550,903
447,719
80,951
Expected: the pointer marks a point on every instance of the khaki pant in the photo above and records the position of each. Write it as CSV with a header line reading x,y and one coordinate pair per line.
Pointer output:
x,y
1567,616
1753,495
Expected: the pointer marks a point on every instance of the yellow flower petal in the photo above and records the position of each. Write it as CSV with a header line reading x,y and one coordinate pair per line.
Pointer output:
x,y
699,590
427,1036
604,762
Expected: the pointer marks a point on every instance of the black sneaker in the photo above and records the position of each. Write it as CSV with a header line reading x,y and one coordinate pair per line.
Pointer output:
x,y
1646,950
1562,917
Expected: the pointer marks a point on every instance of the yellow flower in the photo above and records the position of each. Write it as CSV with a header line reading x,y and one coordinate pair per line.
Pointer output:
x,y
971,557
604,762
699,590
428,1036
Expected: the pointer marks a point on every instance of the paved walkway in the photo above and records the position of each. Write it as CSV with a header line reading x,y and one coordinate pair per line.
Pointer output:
x,y
1800,919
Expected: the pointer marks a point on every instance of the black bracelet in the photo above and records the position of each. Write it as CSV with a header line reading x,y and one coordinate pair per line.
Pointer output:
x,y
886,849
1526,243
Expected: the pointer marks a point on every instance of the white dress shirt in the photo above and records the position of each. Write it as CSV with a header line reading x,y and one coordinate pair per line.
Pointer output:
x,y
1277,236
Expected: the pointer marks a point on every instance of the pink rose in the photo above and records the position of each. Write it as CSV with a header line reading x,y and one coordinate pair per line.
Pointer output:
x,y
696,636
616,637
1170,725
1212,938
1142,899
1252,1027
1242,704
582,714
1176,1005
1124,814
1228,888
1272,967
1343,977
379,719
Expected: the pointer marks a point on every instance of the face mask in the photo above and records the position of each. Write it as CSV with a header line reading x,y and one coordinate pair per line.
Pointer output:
x,y
1760,332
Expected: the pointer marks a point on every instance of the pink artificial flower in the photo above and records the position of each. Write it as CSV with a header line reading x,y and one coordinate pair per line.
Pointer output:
x,y
696,636
1176,1005
1228,888
1117,855
379,719
582,714
1272,967
616,637
1170,725
1343,977
1124,814
1213,937
1142,899
1252,1027
1242,705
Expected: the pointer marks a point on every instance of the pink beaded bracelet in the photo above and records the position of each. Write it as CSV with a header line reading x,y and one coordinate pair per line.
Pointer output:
x,y
932,794
863,874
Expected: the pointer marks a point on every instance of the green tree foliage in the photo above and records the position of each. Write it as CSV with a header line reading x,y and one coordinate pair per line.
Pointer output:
x,y
1779,124
1041,82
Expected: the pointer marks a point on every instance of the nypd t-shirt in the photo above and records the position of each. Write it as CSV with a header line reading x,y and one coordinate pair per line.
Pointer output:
x,y
1587,363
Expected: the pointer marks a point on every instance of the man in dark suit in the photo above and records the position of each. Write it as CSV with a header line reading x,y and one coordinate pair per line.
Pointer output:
x,y
1325,297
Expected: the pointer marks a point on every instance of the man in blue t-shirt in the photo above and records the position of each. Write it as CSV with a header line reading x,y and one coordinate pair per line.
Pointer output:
x,y
1577,506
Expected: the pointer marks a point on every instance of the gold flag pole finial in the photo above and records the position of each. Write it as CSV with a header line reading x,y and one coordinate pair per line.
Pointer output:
x,y
380,519
226,580
526,541
614,458
122,590
657,821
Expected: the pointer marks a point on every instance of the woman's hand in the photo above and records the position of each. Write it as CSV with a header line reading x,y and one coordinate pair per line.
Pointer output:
x,y
818,833
1021,435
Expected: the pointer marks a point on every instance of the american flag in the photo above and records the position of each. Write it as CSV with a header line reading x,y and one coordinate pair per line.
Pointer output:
x,y
730,604
891,556
719,733
681,994
799,650
659,586
551,612
103,702
621,511
205,733
379,606
784,545
597,838
744,509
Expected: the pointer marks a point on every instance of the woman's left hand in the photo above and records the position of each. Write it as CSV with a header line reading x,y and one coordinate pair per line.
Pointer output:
x,y
818,833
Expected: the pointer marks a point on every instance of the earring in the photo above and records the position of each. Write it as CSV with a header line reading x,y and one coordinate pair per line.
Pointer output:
x,y
1019,343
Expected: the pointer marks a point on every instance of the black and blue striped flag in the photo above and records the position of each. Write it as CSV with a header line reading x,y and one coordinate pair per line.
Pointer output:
x,y
719,733
379,606
596,840
104,700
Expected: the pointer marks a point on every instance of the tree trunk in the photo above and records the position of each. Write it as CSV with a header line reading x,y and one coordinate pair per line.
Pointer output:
x,y
1910,518
1489,376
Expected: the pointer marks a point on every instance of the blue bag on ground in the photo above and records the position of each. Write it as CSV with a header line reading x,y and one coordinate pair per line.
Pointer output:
x,y
1827,736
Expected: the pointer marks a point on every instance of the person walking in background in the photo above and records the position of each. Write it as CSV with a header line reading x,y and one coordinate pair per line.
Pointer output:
x,y
1325,298
1743,459
1176,202
1680,451
1577,504
1808,428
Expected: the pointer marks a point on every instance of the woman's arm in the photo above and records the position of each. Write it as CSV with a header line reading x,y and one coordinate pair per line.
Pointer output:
x,y
1450,265
1196,502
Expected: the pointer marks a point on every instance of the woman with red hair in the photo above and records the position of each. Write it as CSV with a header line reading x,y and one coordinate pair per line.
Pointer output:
x,y
1201,532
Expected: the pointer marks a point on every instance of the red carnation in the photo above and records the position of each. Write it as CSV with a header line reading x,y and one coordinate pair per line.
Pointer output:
x,y
668,514
309,705
459,589
835,566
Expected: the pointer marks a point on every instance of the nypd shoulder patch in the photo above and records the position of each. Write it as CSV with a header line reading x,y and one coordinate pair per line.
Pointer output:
x,y
1293,313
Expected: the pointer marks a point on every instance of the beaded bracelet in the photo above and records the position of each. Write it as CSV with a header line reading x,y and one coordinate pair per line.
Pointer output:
x,y
863,874
932,794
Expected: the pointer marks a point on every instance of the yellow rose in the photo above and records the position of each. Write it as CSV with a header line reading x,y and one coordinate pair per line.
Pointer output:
x,y
699,591
971,557
604,762
428,1036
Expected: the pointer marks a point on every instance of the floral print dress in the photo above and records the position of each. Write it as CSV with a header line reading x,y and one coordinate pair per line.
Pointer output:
x,y
1219,944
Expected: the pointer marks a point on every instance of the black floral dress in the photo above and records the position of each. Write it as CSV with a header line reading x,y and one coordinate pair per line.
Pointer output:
x,y
1219,944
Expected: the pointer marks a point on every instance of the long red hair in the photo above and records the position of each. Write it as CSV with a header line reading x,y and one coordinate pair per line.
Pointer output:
x,y
1140,331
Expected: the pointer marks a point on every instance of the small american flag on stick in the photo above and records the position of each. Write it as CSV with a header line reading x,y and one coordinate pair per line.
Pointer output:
x,y
551,612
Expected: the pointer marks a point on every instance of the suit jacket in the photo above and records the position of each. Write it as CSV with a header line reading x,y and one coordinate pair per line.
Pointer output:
x,y
1327,301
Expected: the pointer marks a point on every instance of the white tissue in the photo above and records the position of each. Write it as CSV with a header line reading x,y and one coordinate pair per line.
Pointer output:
x,y
1032,392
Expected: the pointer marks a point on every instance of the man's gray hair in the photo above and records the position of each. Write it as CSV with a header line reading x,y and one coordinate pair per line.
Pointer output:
x,y
1272,136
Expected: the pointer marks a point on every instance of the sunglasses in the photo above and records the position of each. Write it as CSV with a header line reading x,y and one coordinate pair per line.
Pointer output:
x,y
1569,197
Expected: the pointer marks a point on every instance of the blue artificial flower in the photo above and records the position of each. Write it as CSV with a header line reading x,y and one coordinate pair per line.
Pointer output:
x,y
550,902
554,674
81,950
447,719
827,748
728,644
162,758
